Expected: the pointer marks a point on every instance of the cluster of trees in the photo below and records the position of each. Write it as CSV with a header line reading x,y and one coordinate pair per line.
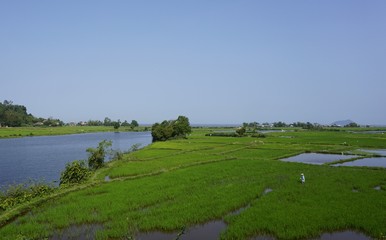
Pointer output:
x,y
116,124
166,130
305,125
13,115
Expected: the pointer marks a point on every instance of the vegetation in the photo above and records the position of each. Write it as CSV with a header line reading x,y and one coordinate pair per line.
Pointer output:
x,y
116,124
46,131
16,194
241,131
75,172
97,155
178,128
13,115
184,182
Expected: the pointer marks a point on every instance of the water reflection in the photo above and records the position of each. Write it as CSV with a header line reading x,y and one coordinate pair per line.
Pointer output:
x,y
345,235
365,162
78,232
317,158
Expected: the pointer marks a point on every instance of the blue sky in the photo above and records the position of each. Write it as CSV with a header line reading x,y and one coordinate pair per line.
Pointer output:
x,y
212,61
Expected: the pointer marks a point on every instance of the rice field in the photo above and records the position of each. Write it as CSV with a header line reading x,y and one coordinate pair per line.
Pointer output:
x,y
169,186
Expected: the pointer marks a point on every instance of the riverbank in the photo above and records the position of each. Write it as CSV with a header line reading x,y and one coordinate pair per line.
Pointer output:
x,y
174,185
14,132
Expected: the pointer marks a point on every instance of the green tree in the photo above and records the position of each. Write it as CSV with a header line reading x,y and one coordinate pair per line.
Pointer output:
x,y
107,121
162,132
134,124
181,127
241,131
125,124
117,124
171,129
75,172
353,125
97,155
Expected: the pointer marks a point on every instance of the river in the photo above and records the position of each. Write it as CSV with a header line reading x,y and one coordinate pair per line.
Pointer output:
x,y
45,157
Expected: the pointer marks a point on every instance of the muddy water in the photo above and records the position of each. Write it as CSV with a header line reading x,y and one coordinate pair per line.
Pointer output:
x,y
210,230
317,158
213,229
78,232
346,235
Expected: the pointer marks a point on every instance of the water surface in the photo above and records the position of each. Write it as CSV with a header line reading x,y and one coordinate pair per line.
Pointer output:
x,y
365,162
381,152
317,158
44,157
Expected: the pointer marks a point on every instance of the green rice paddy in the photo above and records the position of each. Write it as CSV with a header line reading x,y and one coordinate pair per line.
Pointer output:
x,y
171,185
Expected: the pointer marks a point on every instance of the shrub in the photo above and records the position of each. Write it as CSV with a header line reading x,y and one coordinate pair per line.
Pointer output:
x,y
97,155
75,172
222,134
259,135
241,131
19,193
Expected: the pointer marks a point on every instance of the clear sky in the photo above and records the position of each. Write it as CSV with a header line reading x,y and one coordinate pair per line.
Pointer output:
x,y
214,61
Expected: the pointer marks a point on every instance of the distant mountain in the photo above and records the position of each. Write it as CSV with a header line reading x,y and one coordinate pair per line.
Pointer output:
x,y
342,122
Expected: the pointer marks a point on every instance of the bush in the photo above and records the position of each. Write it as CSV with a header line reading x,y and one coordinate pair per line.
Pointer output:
x,y
75,172
23,192
222,134
259,135
97,155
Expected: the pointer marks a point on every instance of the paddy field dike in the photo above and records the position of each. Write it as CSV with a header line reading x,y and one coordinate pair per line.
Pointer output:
x,y
171,187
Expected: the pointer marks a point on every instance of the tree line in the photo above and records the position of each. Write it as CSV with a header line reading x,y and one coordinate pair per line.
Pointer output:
x,y
13,115
305,125
116,124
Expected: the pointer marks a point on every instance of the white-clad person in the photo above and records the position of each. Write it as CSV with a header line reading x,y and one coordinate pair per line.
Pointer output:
x,y
302,178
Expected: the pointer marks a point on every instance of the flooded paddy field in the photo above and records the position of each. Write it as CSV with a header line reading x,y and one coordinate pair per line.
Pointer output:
x,y
317,158
365,162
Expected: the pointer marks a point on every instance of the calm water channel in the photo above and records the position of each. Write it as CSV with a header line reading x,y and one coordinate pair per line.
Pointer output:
x,y
43,158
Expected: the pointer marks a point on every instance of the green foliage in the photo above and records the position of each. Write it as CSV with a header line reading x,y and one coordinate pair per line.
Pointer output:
x,y
14,115
117,124
134,147
134,124
279,124
75,172
21,193
352,125
178,128
107,122
222,134
241,131
97,155
259,135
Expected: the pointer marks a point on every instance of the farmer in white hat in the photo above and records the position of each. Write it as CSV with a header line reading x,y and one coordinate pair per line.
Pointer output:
x,y
302,178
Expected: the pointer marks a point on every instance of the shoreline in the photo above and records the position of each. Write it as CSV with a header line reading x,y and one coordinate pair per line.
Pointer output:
x,y
18,132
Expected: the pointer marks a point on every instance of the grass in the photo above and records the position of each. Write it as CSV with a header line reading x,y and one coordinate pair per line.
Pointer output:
x,y
170,185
